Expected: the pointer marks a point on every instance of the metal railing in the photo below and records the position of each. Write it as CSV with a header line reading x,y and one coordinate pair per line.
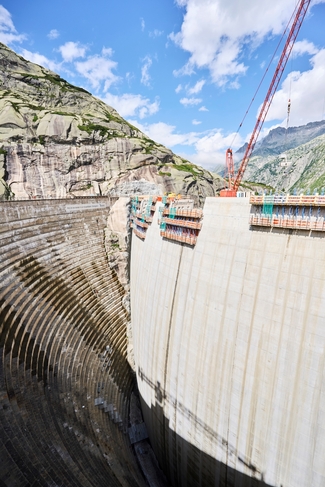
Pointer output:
x,y
289,200
299,223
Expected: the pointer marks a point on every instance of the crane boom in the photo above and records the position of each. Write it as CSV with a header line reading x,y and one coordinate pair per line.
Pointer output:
x,y
230,168
299,17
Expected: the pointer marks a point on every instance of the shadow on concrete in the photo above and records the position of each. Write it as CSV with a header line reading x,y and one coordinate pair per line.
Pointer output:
x,y
182,244
183,463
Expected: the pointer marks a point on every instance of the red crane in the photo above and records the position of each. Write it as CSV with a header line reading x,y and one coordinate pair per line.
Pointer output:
x,y
230,168
295,27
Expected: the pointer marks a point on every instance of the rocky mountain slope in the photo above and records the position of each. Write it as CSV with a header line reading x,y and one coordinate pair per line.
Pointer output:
x,y
301,168
280,140
57,140
286,160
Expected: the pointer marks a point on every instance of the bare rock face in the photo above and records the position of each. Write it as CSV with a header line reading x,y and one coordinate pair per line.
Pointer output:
x,y
57,140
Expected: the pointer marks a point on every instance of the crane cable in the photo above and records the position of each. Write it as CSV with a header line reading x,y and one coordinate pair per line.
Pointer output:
x,y
263,77
290,86
288,109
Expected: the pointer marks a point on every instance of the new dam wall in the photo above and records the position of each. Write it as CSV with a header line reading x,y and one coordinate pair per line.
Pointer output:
x,y
65,384
229,341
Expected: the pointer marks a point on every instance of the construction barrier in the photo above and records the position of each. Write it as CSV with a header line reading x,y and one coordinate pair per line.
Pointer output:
x,y
289,200
295,223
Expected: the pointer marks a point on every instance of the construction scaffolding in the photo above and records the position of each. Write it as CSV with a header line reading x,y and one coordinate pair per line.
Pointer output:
x,y
180,221
299,212
142,211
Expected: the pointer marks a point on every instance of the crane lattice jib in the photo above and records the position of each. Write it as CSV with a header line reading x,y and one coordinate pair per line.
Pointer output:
x,y
300,15
230,167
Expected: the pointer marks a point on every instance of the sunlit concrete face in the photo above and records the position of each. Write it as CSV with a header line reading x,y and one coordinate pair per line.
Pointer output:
x,y
65,383
229,343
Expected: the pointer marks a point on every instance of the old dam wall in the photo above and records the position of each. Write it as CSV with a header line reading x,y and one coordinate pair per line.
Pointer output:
x,y
65,384
228,340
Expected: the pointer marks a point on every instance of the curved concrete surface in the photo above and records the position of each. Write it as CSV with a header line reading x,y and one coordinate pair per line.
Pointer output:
x,y
65,384
229,345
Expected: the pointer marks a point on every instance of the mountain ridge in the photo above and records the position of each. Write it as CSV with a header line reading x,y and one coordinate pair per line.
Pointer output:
x,y
286,160
280,139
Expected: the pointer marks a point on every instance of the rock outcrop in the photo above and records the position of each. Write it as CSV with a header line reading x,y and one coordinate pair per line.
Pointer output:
x,y
57,140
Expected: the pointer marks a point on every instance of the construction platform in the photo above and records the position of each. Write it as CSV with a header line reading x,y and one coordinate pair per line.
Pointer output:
x,y
299,212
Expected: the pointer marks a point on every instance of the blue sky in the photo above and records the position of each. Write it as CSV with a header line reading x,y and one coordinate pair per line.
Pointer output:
x,y
183,71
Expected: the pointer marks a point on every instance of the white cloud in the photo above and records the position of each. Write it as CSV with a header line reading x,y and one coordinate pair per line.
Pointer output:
x,y
156,33
196,88
8,33
303,47
208,148
178,89
37,58
143,24
190,101
72,50
203,109
216,32
165,134
98,69
196,122
107,51
53,34
185,70
129,77
129,105
145,76
306,91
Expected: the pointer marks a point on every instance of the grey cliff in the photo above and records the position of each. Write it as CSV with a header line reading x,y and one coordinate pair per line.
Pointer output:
x,y
58,141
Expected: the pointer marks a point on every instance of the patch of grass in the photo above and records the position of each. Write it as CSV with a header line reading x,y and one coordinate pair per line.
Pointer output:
x,y
149,141
252,183
164,173
33,76
112,118
35,118
57,80
188,168
148,149
34,107
41,139
91,127
132,126
3,151
64,114
15,106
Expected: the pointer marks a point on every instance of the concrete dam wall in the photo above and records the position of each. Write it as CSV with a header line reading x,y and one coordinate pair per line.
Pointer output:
x,y
229,341
65,384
